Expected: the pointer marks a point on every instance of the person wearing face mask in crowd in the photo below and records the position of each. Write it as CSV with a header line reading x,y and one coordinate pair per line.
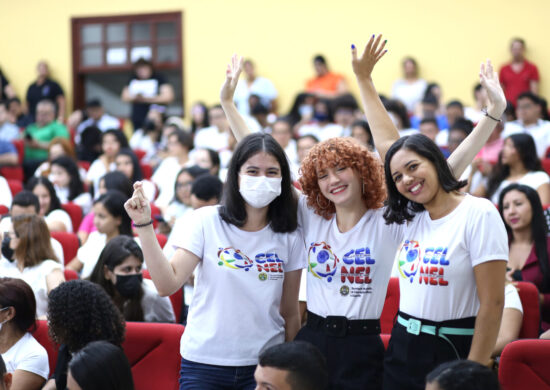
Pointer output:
x,y
118,271
248,254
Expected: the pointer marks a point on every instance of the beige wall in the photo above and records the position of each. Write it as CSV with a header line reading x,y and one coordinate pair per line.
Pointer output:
x,y
448,38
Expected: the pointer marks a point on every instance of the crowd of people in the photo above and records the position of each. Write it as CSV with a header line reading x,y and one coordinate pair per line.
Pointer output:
x,y
282,230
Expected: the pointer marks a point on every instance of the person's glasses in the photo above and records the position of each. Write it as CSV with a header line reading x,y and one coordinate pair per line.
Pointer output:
x,y
184,184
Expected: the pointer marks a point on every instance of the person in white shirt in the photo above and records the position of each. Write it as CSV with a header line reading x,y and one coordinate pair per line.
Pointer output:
x,y
96,117
410,89
32,259
452,260
50,206
342,219
127,162
254,85
529,121
248,256
118,271
25,359
281,130
65,177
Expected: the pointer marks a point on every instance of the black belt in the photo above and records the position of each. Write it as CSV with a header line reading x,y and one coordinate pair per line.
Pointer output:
x,y
340,326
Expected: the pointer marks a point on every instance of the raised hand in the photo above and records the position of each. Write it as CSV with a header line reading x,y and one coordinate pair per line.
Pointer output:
x,y
363,66
489,80
231,78
138,207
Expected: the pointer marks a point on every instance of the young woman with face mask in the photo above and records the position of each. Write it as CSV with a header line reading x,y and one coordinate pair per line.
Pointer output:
x,y
248,256
118,271
351,248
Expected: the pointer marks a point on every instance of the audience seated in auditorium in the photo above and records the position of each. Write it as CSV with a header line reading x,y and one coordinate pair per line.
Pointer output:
x,y
519,75
529,113
462,375
281,130
199,117
252,84
322,124
304,145
38,136
118,271
8,130
147,137
50,206
26,203
326,84
458,131
294,365
475,112
210,159
399,116
127,162
301,111
529,243
16,114
96,116
145,87
80,312
110,220
429,109
58,147
111,143
360,131
26,360
45,88
410,89
518,163
32,258
65,177
100,365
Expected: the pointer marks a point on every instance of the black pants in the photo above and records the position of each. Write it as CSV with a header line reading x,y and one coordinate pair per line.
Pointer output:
x,y
353,361
410,357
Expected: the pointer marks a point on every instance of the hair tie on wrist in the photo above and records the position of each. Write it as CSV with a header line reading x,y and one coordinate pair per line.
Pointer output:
x,y
143,224
484,110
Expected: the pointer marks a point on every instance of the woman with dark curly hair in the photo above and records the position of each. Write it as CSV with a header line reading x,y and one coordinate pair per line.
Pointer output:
x,y
80,312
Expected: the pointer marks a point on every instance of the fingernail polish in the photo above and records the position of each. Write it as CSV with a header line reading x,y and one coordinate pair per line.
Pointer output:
x,y
352,46
372,36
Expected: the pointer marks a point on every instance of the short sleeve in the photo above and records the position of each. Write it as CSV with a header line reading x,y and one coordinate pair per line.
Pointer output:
x,y
297,253
57,90
31,357
512,299
486,239
535,74
7,147
62,216
192,235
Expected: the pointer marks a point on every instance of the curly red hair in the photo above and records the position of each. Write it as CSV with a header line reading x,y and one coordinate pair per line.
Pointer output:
x,y
345,153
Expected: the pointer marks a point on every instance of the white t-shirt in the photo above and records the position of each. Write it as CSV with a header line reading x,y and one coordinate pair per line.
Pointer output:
x,y
437,259
97,171
409,93
540,132
155,308
28,355
238,287
61,216
348,273
88,254
165,178
35,277
84,200
261,87
5,193
511,298
322,133
532,179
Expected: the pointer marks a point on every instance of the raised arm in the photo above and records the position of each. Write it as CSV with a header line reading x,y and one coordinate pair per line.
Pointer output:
x,y
470,147
236,121
168,276
383,130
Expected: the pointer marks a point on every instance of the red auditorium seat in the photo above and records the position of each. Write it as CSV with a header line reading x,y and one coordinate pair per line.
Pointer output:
x,y
4,210
140,153
75,212
155,211
41,335
153,352
146,170
176,298
546,164
391,306
84,165
20,146
69,242
70,274
16,186
13,173
524,365
162,239
529,295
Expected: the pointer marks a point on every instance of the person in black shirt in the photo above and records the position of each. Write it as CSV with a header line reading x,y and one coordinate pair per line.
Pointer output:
x,y
144,88
45,88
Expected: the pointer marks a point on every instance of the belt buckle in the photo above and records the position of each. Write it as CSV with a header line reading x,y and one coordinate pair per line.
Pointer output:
x,y
414,326
336,325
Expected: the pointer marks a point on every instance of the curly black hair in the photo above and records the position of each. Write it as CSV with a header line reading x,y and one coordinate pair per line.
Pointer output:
x,y
80,312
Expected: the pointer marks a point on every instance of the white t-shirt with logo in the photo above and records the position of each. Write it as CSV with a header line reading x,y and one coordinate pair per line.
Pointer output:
x,y
437,258
28,355
348,273
238,287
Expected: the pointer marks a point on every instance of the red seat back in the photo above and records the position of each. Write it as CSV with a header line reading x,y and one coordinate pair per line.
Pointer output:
x,y
140,153
524,365
176,298
69,242
13,173
75,212
146,170
16,186
84,165
155,211
546,164
4,210
153,352
41,335
20,146
529,295
391,306
70,274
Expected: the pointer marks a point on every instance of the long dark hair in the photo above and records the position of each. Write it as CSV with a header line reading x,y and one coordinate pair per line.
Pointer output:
x,y
282,212
137,175
113,201
115,252
76,187
118,181
527,151
539,228
55,204
399,208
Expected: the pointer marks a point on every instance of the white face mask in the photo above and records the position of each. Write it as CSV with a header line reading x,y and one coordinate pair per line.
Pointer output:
x,y
259,191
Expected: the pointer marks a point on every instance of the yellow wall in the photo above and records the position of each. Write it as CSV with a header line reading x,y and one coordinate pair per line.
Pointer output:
x,y
448,38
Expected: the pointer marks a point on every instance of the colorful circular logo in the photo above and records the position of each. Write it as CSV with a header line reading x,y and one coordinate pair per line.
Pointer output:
x,y
408,259
344,290
322,262
234,258
262,276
